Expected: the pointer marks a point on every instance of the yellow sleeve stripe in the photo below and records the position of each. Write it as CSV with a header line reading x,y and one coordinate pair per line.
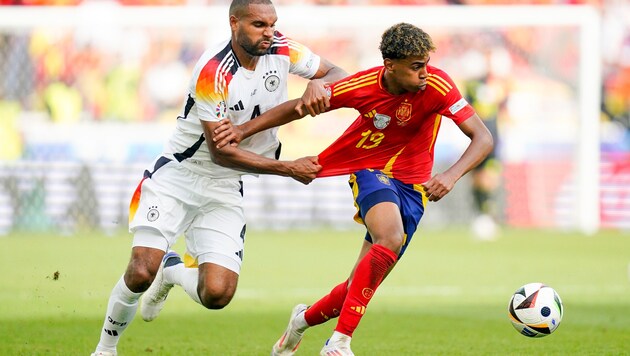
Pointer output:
x,y
442,80
436,87
438,83
356,80
359,85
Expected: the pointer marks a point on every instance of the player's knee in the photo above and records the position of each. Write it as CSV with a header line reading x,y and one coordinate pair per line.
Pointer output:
x,y
215,304
391,241
138,277
215,298
217,286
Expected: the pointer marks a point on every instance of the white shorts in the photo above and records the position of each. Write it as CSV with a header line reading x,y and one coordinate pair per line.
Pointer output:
x,y
173,201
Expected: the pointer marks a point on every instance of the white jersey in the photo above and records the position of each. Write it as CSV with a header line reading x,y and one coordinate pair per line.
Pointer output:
x,y
220,87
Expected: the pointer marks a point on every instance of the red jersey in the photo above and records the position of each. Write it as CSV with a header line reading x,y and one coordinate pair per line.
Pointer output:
x,y
393,133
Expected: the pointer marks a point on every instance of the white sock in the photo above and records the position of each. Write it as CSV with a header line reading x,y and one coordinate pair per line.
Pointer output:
x,y
121,309
339,337
187,278
300,322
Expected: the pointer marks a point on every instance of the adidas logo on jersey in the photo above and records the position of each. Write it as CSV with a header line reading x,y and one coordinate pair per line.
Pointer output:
x,y
237,107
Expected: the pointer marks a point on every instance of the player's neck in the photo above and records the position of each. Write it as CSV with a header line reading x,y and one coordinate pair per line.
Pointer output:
x,y
245,59
248,62
390,86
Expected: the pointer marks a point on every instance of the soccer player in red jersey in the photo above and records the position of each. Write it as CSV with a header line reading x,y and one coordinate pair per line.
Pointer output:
x,y
388,152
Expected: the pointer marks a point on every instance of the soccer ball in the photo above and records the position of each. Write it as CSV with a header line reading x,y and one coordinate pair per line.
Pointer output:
x,y
535,310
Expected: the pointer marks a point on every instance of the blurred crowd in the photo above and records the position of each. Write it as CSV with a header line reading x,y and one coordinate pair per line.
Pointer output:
x,y
141,75
523,81
314,2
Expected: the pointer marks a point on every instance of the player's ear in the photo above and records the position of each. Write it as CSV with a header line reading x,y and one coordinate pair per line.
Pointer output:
x,y
388,64
233,23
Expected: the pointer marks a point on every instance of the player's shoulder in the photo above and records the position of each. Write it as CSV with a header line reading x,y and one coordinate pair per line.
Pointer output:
x,y
363,79
281,44
218,61
436,72
216,54
439,81
371,73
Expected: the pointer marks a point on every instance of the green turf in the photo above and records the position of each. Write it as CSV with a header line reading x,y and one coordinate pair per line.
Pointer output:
x,y
448,296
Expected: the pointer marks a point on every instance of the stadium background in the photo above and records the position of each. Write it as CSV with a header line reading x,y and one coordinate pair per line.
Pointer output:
x,y
89,92
85,105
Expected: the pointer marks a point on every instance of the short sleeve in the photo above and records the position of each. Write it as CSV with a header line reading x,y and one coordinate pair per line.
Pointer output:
x,y
304,62
211,94
452,104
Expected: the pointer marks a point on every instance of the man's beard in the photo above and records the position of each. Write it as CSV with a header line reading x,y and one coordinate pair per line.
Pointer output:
x,y
253,50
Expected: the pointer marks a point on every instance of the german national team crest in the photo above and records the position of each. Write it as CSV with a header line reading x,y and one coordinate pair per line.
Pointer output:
x,y
153,214
381,121
272,81
403,113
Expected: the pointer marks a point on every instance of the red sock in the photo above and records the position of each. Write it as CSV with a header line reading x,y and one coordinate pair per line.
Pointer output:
x,y
328,307
367,277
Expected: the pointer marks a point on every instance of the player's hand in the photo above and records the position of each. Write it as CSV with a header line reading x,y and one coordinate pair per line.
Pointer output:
x,y
314,100
305,169
438,186
226,133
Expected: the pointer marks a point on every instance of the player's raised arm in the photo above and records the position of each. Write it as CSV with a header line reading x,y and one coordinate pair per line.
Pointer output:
x,y
315,99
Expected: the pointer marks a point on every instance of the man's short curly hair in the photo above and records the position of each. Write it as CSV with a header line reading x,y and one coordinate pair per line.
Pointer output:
x,y
404,40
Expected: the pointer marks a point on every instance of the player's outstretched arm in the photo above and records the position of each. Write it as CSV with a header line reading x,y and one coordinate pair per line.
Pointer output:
x,y
225,133
303,170
315,99
481,143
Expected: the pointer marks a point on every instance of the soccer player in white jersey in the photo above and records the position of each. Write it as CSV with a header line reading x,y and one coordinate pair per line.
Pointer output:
x,y
195,188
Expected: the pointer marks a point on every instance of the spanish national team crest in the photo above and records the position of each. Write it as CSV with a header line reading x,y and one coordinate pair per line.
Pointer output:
x,y
381,121
403,113
272,81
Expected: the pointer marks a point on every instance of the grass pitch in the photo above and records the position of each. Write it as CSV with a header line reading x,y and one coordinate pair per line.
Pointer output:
x,y
447,296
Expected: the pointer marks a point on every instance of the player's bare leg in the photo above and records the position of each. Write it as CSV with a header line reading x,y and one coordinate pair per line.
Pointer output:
x,y
123,300
384,224
217,285
210,285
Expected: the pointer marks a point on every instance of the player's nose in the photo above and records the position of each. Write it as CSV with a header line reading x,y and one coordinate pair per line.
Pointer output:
x,y
268,33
